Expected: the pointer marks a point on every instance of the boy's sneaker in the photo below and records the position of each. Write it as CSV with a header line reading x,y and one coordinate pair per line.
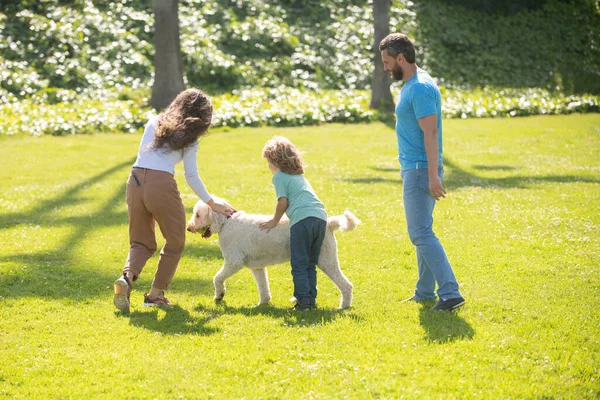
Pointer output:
x,y
450,304
122,293
159,301
302,307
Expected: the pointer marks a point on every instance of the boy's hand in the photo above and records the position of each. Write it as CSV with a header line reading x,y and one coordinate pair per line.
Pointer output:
x,y
270,224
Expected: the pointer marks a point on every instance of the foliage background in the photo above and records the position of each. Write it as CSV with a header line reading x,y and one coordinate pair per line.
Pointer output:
x,y
79,66
227,44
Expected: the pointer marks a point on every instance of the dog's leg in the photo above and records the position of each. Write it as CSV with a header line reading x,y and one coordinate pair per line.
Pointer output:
x,y
262,283
330,265
334,272
227,270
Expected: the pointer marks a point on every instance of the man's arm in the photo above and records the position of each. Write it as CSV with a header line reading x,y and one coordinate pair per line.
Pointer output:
x,y
428,125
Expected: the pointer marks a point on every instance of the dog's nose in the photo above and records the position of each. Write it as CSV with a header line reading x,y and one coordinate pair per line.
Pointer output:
x,y
189,229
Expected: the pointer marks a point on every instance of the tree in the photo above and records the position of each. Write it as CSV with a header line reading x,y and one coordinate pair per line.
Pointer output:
x,y
381,96
168,66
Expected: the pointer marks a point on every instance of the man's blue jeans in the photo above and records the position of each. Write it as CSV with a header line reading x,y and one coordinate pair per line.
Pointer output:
x,y
306,238
431,257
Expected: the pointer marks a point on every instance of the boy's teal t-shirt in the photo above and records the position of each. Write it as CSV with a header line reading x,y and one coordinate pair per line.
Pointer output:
x,y
302,200
419,97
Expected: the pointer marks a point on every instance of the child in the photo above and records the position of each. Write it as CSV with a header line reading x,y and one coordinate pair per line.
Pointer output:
x,y
152,193
308,219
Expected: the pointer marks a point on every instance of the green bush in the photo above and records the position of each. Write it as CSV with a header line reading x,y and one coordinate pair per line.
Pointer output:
x,y
553,47
87,45
41,114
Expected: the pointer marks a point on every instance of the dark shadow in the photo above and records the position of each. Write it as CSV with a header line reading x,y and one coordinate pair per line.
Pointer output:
x,y
457,178
494,167
38,215
58,273
395,172
372,180
201,251
444,326
289,317
176,321
193,286
382,169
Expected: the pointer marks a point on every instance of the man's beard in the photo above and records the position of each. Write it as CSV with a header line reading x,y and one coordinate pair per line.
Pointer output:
x,y
397,73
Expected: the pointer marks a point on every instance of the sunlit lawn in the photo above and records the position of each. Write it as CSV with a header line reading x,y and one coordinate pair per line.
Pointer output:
x,y
520,225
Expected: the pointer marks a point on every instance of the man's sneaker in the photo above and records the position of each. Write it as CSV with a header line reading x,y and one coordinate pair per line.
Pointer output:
x,y
159,301
420,301
122,293
450,304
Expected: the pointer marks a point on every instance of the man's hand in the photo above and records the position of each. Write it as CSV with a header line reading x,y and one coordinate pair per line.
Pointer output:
x,y
270,224
436,188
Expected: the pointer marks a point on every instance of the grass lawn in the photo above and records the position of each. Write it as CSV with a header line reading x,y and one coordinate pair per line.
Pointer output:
x,y
520,226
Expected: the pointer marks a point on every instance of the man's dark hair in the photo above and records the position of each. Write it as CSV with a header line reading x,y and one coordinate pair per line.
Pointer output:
x,y
396,43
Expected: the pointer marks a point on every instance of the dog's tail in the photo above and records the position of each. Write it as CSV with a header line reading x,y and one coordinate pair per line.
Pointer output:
x,y
346,222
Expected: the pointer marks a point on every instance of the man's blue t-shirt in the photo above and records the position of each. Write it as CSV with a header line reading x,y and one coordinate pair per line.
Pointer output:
x,y
419,97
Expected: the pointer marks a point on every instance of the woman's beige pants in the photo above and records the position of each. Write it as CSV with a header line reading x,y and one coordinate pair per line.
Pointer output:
x,y
152,196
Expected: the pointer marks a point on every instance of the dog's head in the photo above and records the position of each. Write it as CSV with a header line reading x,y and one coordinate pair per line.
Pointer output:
x,y
205,220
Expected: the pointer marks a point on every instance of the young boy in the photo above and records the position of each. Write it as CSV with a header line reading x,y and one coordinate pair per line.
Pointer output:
x,y
308,219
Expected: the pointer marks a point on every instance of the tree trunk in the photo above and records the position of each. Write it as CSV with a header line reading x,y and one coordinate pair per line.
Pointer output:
x,y
168,68
381,96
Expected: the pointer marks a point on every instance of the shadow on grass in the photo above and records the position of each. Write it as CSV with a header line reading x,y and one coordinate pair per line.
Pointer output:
x,y
494,167
170,321
457,178
39,215
444,326
202,251
57,273
288,316
60,273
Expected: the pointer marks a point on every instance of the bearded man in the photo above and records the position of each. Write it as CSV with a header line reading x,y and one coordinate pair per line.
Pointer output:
x,y
419,133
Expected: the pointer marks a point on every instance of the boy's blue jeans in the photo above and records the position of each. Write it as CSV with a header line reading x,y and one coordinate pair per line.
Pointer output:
x,y
432,262
306,238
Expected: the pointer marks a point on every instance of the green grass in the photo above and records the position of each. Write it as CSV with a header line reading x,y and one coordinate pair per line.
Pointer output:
x,y
520,226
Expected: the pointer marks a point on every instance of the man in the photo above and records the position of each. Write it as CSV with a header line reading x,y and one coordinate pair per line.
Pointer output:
x,y
419,132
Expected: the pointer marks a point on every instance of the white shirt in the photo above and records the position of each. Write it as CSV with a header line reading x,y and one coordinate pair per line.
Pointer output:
x,y
165,159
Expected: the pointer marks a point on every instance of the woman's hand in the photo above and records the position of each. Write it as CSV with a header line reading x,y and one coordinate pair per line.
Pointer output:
x,y
222,208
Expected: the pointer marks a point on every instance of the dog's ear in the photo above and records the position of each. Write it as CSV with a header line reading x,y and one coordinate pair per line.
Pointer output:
x,y
216,220
208,215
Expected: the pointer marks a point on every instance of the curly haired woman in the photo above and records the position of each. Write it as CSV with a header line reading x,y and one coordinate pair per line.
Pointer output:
x,y
152,194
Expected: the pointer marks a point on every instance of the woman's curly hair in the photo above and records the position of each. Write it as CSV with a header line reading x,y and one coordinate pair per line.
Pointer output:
x,y
284,155
184,120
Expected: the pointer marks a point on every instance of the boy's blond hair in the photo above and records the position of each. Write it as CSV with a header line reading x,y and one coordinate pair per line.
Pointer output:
x,y
284,155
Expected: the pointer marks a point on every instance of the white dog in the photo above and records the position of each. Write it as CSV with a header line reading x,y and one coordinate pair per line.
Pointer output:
x,y
243,243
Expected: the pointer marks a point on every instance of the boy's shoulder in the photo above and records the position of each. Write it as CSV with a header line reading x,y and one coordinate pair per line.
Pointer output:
x,y
283,175
280,177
